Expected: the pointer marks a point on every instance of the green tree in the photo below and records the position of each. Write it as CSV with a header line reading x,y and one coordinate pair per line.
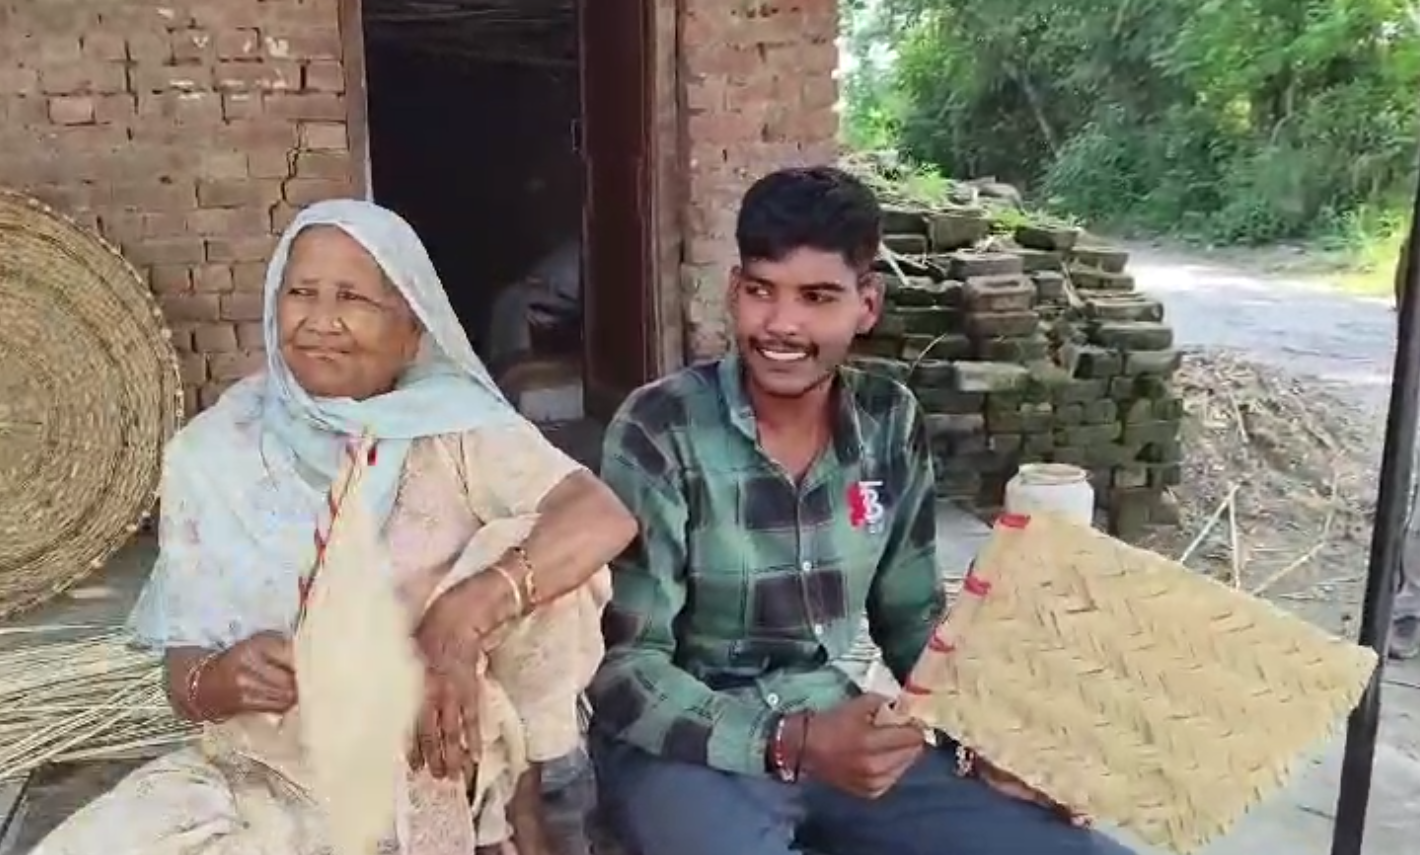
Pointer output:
x,y
1246,119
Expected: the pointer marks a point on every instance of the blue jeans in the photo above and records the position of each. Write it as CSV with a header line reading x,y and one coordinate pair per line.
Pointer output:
x,y
658,807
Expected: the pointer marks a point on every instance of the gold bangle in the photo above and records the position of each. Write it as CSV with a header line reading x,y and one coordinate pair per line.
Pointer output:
x,y
513,584
194,684
529,589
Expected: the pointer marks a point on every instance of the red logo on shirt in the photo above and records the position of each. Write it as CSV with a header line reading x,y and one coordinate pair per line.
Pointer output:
x,y
865,506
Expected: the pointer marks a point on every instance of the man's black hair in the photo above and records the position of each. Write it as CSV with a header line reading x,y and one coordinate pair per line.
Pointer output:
x,y
814,207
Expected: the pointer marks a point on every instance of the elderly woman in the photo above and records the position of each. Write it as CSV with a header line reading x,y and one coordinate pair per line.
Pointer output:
x,y
361,341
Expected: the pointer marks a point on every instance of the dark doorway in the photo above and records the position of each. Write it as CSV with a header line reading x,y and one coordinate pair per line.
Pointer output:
x,y
489,128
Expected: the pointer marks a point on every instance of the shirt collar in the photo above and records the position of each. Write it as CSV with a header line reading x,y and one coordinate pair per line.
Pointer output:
x,y
847,427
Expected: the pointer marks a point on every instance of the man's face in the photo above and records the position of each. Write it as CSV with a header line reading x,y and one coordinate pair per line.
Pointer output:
x,y
795,318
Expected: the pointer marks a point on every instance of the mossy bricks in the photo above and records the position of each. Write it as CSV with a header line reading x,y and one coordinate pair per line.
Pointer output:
x,y
1046,352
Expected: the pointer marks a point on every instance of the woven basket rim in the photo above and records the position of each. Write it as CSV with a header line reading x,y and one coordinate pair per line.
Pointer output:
x,y
76,280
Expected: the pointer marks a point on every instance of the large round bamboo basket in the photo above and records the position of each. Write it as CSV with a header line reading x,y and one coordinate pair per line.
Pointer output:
x,y
89,394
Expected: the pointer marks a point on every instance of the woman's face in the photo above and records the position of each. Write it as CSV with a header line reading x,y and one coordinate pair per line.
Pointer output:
x,y
345,331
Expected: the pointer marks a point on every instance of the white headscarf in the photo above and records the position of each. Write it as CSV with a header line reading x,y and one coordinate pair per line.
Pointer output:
x,y
244,482
447,390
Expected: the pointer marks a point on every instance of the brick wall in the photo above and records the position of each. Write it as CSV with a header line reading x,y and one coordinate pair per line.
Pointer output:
x,y
186,133
758,93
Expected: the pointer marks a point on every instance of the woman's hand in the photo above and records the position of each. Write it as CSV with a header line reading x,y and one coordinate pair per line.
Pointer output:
x,y
446,735
256,675
454,629
450,637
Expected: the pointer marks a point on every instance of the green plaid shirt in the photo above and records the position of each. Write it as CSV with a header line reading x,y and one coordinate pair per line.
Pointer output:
x,y
743,586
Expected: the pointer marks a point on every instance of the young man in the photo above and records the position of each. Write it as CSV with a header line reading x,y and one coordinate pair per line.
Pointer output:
x,y
782,497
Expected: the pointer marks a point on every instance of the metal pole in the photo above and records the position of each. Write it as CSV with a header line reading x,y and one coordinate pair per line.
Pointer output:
x,y
1397,463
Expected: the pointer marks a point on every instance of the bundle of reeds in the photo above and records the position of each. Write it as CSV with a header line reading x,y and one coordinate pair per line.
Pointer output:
x,y
80,693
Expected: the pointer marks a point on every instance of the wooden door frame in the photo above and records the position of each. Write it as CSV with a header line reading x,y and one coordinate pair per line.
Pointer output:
x,y
663,328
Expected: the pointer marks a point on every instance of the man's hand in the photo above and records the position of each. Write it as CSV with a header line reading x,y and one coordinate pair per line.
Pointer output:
x,y
847,749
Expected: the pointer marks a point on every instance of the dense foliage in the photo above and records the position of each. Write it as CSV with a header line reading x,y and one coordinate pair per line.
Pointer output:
x,y
1241,120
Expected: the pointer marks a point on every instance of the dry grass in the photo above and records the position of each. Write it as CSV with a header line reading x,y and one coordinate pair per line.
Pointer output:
x,y
1279,483
70,693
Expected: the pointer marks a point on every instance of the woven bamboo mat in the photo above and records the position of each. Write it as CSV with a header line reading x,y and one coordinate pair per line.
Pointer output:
x,y
89,394
1126,687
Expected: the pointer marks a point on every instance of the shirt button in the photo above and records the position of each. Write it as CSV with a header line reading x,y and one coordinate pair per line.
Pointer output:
x,y
806,566
772,699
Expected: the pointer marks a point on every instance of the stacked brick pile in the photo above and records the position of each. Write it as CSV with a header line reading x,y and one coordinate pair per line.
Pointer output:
x,y
1034,350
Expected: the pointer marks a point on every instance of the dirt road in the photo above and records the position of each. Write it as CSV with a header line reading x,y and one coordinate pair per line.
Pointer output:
x,y
1299,326
1288,412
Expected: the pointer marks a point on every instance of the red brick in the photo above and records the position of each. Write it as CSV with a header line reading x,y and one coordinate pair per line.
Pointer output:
x,y
56,19
251,336
183,250
274,162
103,46
258,76
325,76
18,81
153,196
164,224
230,367
170,78
222,165
305,191
248,192
315,106
166,166
282,216
183,108
239,44
242,307
324,136
249,276
71,110
191,308
215,338
212,278
222,222
262,133
149,47
124,226
115,109
87,140
57,51
170,279
85,77
229,250
322,164
193,45
820,92
237,106
182,334
193,369
305,44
